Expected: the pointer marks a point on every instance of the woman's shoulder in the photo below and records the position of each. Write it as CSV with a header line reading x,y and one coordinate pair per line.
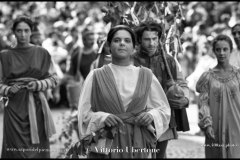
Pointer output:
x,y
40,50
206,75
202,83
5,52
237,70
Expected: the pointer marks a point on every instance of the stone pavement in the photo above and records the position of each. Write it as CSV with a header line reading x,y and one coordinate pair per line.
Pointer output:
x,y
189,145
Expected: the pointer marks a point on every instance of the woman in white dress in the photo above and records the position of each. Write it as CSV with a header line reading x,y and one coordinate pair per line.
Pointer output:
x,y
219,103
122,109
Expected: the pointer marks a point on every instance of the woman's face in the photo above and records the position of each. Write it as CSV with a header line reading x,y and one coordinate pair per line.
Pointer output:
x,y
89,41
222,51
236,35
22,33
121,46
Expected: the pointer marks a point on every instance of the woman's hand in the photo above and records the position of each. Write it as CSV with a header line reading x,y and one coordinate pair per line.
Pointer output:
x,y
112,121
14,89
144,119
32,86
210,133
56,97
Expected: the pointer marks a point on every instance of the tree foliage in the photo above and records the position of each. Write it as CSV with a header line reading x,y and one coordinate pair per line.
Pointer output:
x,y
168,15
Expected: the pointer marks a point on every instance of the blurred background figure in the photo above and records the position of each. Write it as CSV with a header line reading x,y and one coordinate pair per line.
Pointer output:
x,y
59,54
80,60
206,62
3,37
36,37
235,56
87,52
104,56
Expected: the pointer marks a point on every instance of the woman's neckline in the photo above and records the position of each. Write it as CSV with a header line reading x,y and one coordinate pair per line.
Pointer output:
x,y
225,78
128,66
24,47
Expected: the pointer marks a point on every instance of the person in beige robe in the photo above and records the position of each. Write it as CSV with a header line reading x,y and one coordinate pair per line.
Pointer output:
x,y
219,103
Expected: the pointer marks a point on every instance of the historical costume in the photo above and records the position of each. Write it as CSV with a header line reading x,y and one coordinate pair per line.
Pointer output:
x,y
27,118
125,91
220,108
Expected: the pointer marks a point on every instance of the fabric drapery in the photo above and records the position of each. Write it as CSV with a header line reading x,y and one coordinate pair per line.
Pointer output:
x,y
126,80
49,124
21,63
105,98
220,108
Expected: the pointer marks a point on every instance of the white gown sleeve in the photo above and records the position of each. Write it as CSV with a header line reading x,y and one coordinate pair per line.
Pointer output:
x,y
88,121
158,107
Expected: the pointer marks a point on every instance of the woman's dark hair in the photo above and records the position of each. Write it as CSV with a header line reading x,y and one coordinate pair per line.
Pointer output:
x,y
22,19
148,26
238,24
121,27
222,37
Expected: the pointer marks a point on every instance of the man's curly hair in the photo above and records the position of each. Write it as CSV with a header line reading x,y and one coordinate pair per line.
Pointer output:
x,y
148,26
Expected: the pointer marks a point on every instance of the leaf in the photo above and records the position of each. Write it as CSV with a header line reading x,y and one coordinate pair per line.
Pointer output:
x,y
161,8
169,18
134,19
126,7
173,7
118,7
122,8
127,4
149,5
104,9
142,15
139,11
155,9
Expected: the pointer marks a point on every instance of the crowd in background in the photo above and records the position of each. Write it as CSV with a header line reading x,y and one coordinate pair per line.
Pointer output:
x,y
62,24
